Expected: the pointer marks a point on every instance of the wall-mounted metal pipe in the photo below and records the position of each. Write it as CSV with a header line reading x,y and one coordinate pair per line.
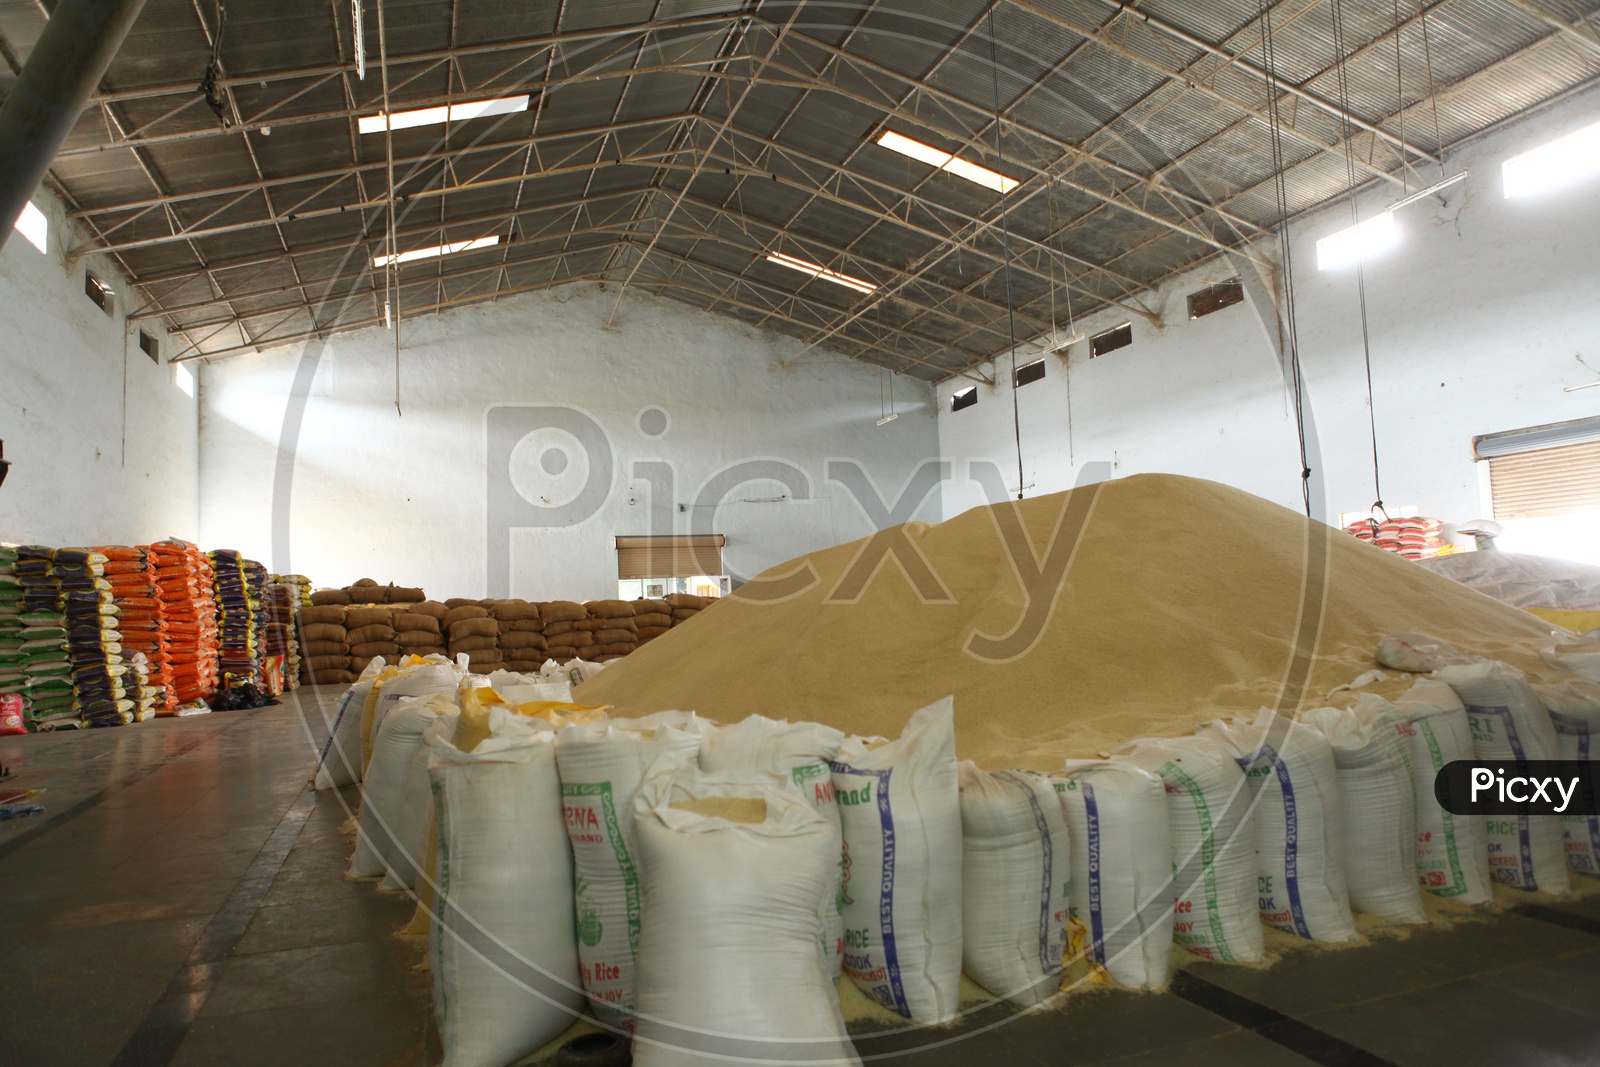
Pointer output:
x,y
66,65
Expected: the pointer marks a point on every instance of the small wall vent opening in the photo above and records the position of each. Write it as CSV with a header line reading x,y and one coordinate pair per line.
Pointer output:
x,y
104,297
1215,297
150,346
1029,373
1111,340
964,398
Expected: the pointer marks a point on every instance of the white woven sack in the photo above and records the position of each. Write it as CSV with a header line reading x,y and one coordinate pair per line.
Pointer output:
x,y
1452,850
602,766
1575,713
728,966
393,746
339,761
801,752
1299,824
900,808
1015,869
1380,822
502,948
1213,845
1510,722
1122,891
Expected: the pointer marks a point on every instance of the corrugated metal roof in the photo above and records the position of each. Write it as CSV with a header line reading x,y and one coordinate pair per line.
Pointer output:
x,y
1137,141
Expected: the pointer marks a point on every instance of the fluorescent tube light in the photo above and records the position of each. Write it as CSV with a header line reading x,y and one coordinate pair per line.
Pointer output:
x,y
887,419
1362,241
1056,343
1563,162
428,116
437,250
961,168
33,225
817,270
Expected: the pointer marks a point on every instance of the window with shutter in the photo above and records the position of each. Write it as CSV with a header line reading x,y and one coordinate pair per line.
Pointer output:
x,y
670,557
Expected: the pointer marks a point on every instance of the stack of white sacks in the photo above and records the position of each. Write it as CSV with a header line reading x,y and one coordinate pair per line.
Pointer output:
x,y
703,888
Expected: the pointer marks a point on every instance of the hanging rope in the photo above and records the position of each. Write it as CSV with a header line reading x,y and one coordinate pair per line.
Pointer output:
x,y
1343,81
1288,331
391,274
1005,235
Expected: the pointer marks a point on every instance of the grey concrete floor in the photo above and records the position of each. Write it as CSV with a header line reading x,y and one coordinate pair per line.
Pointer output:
x,y
183,901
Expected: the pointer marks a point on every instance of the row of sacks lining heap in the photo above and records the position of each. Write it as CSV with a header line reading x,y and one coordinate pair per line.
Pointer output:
x,y
494,634
769,858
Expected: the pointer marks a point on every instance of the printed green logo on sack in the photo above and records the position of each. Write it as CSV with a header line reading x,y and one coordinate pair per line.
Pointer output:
x,y
900,809
1510,722
601,767
1213,845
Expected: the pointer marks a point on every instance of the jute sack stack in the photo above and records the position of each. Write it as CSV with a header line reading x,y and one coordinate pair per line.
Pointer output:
x,y
371,635
617,635
652,617
473,632
329,597
522,641
418,634
324,643
564,638
686,605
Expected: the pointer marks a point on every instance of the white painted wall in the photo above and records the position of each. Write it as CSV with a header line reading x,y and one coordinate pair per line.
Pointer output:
x,y
404,497
102,443
1474,322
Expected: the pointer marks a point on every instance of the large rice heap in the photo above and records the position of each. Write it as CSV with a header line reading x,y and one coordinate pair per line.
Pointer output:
x,y
1182,600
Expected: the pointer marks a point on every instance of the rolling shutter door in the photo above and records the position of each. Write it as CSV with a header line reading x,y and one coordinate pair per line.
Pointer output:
x,y
669,557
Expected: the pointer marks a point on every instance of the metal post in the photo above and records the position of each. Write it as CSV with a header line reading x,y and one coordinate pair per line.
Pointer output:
x,y
74,50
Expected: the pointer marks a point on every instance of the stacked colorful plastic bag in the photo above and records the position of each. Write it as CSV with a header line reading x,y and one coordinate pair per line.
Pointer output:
x,y
13,660
281,602
236,620
142,622
93,639
51,704
184,587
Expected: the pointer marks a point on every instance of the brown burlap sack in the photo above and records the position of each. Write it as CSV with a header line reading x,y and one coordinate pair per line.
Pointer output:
x,y
328,613
410,620
471,644
460,602
368,649
562,611
523,666
356,618
592,625
647,632
323,631
522,640
325,648
610,609
465,611
479,656
560,629
651,607
332,676
522,626
618,636
403,594
512,610
653,618
473,628
428,607
324,597
367,634
328,663
689,600
413,639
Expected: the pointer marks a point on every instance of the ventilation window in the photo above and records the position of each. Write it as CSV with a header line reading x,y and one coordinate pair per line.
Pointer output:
x,y
1215,298
1113,339
150,346
104,297
1029,373
964,398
